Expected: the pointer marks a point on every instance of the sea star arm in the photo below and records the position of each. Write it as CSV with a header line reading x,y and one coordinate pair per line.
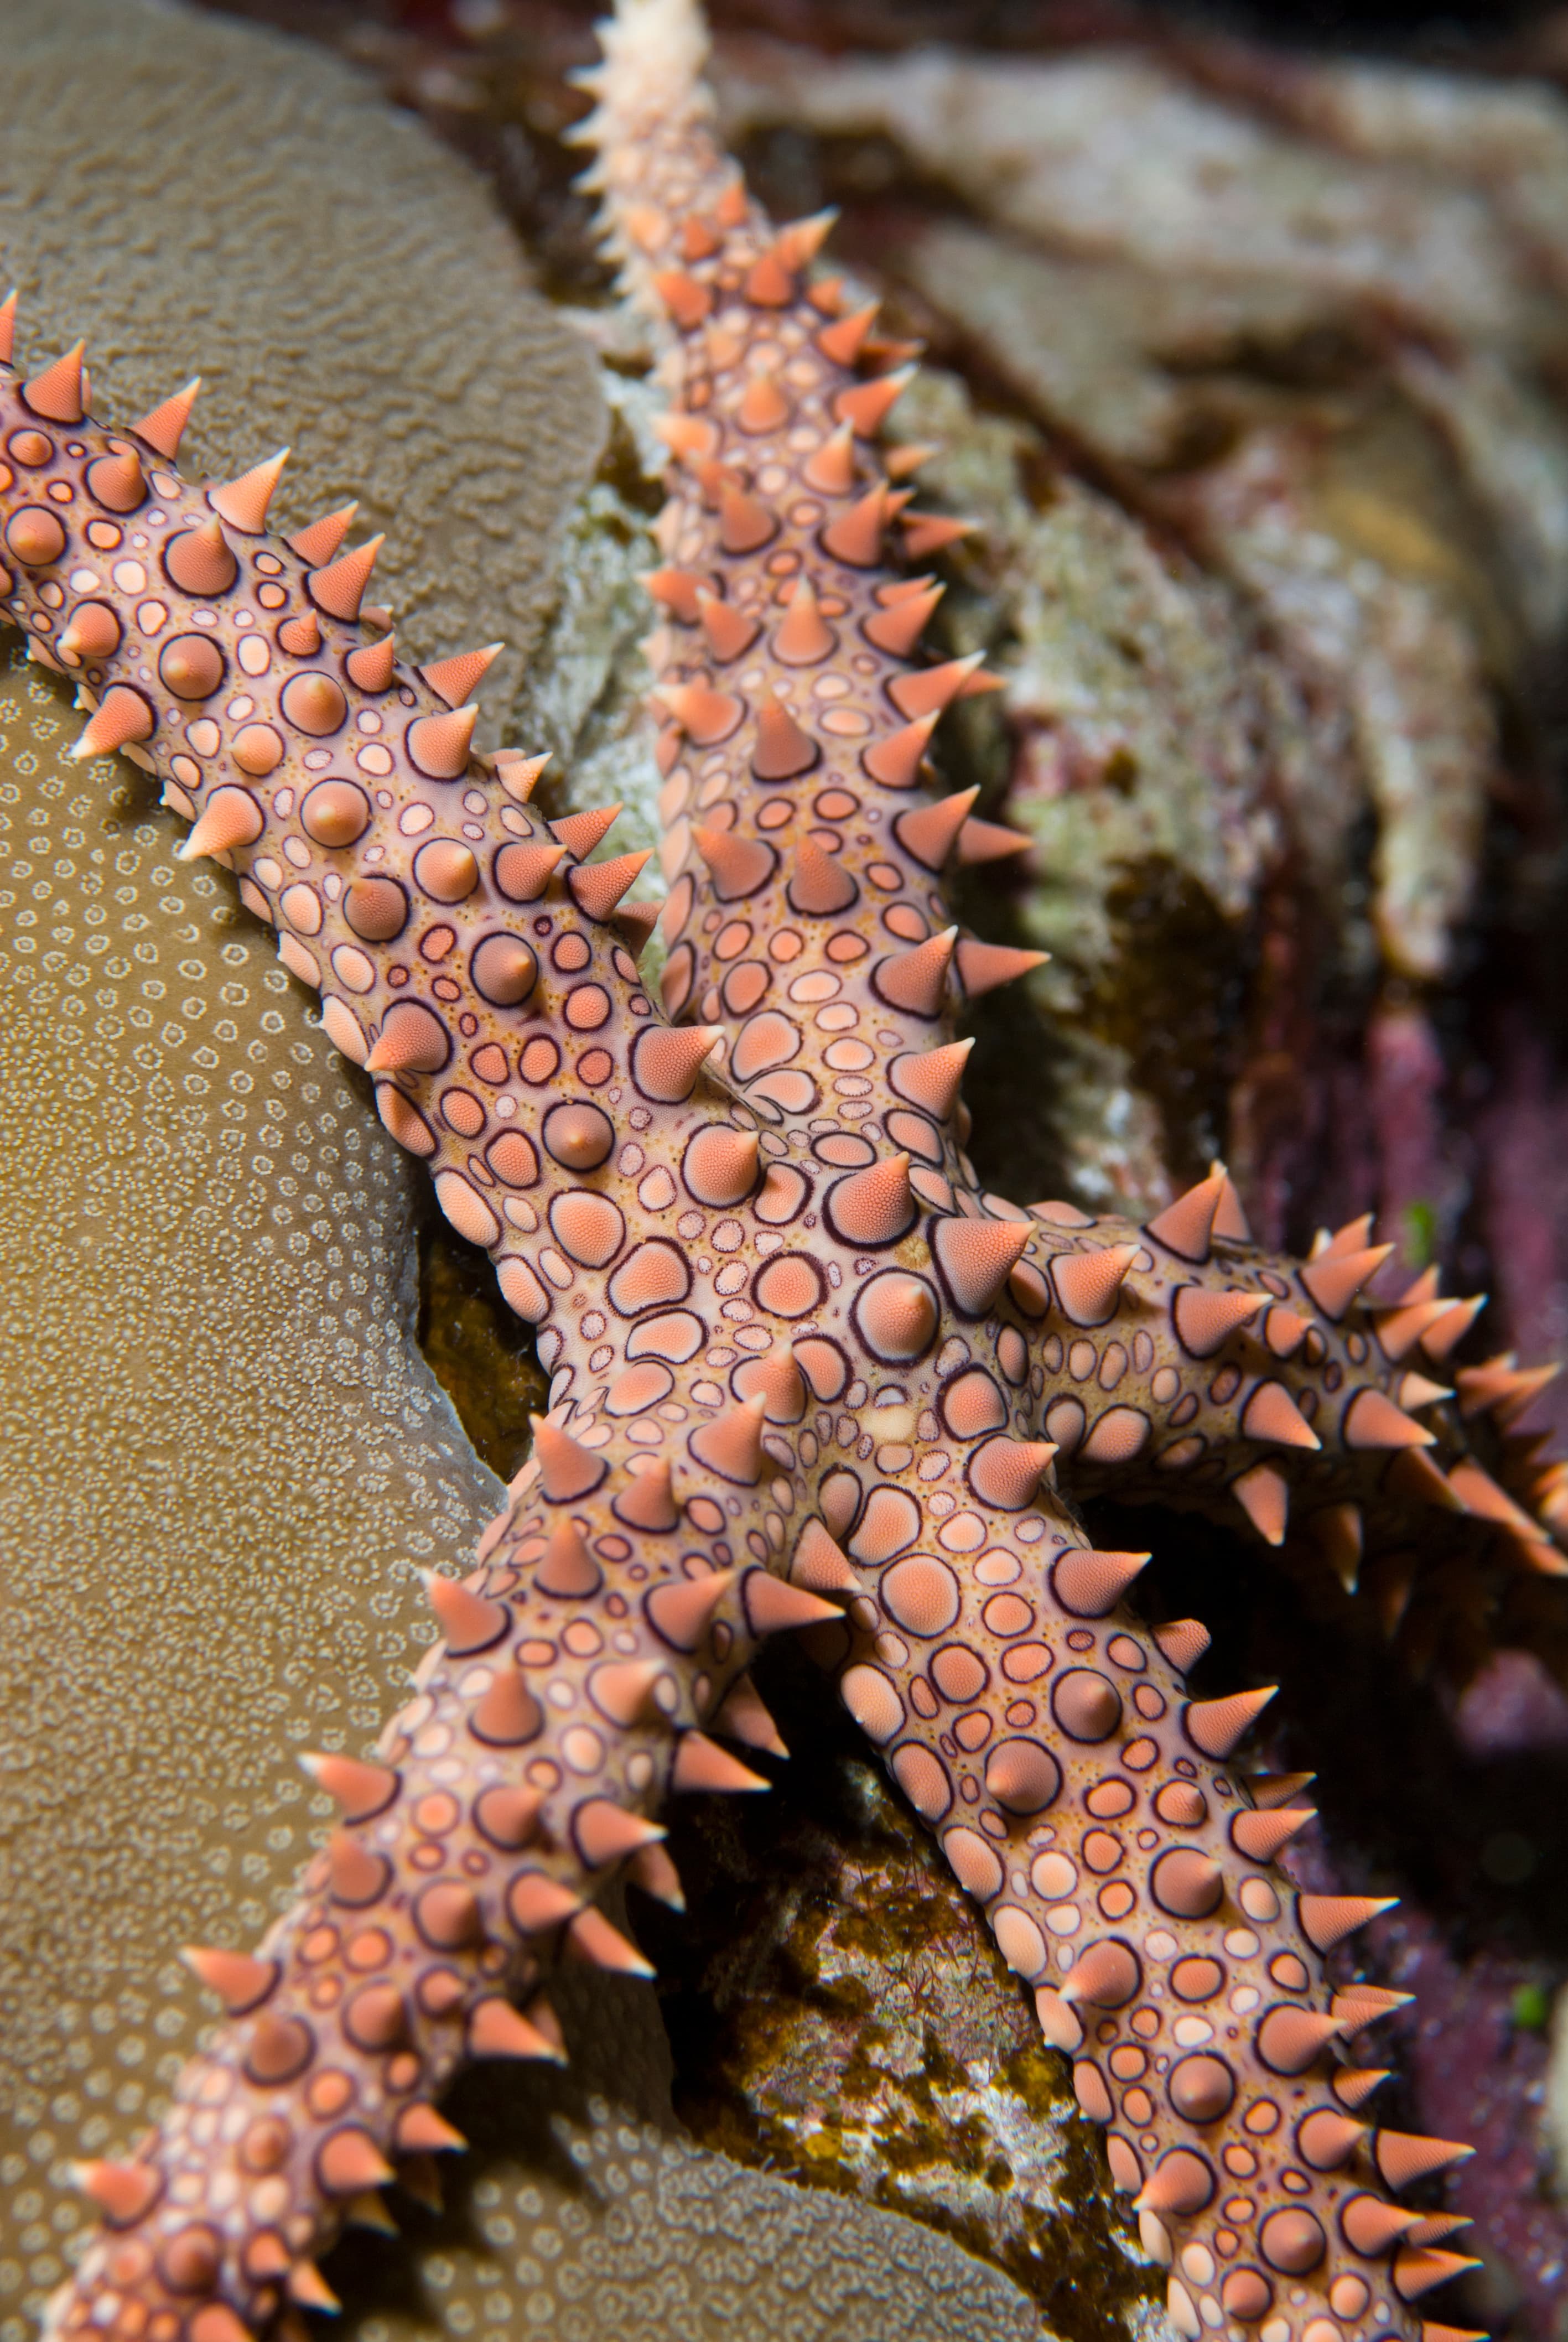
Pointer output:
x,y
560,1709
1083,1798
479,969
805,913
797,722
1180,1363
784,659
807,919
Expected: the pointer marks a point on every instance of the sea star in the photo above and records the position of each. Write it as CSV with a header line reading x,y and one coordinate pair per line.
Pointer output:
x,y
801,1366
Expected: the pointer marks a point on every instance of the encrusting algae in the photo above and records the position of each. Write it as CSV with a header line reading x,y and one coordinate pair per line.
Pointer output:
x,y
805,1376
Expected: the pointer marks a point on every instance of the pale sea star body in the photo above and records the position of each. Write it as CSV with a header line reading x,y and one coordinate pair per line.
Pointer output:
x,y
805,1376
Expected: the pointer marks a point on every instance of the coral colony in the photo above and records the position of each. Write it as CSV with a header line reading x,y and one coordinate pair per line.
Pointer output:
x,y
805,1376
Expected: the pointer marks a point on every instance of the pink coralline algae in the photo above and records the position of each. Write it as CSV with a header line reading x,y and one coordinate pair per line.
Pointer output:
x,y
805,1374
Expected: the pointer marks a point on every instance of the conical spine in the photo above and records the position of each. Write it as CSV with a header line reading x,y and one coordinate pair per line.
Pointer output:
x,y
779,488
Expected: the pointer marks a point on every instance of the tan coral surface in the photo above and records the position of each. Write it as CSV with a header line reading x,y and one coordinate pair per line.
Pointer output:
x,y
212,199
196,1385
223,1451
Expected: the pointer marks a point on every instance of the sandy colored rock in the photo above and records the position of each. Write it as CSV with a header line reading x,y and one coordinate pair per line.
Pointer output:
x,y
1508,442
1507,138
1106,353
1372,614
1353,588
1109,149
